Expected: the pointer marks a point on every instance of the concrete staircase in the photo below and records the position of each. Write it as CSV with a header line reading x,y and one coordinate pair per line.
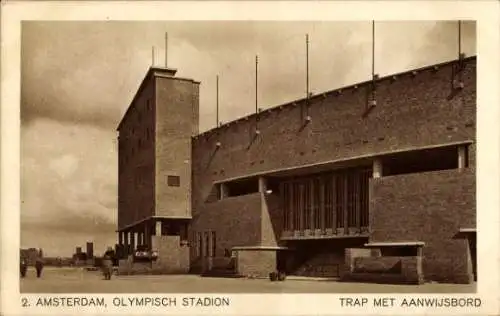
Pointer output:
x,y
222,267
321,265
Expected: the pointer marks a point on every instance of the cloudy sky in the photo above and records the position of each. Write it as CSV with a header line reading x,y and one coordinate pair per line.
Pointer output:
x,y
79,77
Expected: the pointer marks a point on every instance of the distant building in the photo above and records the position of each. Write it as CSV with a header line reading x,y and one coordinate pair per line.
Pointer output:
x,y
381,171
90,250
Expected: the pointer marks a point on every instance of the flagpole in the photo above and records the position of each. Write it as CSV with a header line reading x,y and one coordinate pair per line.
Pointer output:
x,y
307,69
152,56
166,50
256,84
217,101
459,39
373,49
373,101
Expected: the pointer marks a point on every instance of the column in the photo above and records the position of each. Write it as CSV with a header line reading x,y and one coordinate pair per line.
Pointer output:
x,y
377,168
223,191
462,157
158,228
120,238
262,185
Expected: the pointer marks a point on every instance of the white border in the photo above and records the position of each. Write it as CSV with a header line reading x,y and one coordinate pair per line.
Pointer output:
x,y
486,14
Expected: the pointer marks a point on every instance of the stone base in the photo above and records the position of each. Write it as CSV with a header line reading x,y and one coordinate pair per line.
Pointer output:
x,y
455,279
255,262
381,278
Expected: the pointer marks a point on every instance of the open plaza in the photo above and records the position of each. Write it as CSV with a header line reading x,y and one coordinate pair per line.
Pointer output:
x,y
78,280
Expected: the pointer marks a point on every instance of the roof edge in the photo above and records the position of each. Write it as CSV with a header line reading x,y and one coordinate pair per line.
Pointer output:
x,y
328,92
152,71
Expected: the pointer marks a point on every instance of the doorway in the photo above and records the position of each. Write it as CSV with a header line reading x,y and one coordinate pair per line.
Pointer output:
x,y
472,248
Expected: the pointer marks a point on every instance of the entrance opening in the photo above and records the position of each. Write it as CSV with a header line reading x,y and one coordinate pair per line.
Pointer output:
x,y
435,159
473,255
242,187
318,258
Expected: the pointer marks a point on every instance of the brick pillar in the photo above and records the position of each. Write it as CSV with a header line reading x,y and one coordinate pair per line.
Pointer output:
x,y
462,157
377,168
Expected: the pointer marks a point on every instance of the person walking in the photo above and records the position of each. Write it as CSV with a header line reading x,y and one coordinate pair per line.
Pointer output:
x,y
24,267
39,267
107,264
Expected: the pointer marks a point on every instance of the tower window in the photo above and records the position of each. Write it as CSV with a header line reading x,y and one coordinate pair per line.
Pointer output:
x,y
173,181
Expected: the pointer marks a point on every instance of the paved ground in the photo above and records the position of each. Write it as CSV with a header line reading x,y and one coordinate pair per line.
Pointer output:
x,y
77,280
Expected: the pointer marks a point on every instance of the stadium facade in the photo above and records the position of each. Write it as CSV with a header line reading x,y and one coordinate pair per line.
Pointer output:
x,y
374,181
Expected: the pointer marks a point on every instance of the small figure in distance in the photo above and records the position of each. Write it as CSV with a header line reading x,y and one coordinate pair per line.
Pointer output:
x,y
24,267
39,266
107,264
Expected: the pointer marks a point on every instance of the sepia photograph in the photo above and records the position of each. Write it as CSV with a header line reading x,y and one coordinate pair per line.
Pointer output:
x,y
248,157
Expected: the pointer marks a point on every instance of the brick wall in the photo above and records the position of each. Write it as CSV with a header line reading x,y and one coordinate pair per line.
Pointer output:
x,y
271,220
412,111
377,264
400,270
429,207
176,122
136,158
172,257
256,263
236,221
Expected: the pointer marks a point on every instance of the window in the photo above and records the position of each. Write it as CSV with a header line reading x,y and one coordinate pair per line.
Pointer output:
x,y
207,244
242,187
426,160
327,201
307,204
317,201
213,244
199,244
173,181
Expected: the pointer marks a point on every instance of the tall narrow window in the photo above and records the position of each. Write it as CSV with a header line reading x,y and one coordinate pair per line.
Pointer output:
x,y
316,204
291,209
286,206
214,245
329,202
199,244
365,198
340,198
351,199
207,244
